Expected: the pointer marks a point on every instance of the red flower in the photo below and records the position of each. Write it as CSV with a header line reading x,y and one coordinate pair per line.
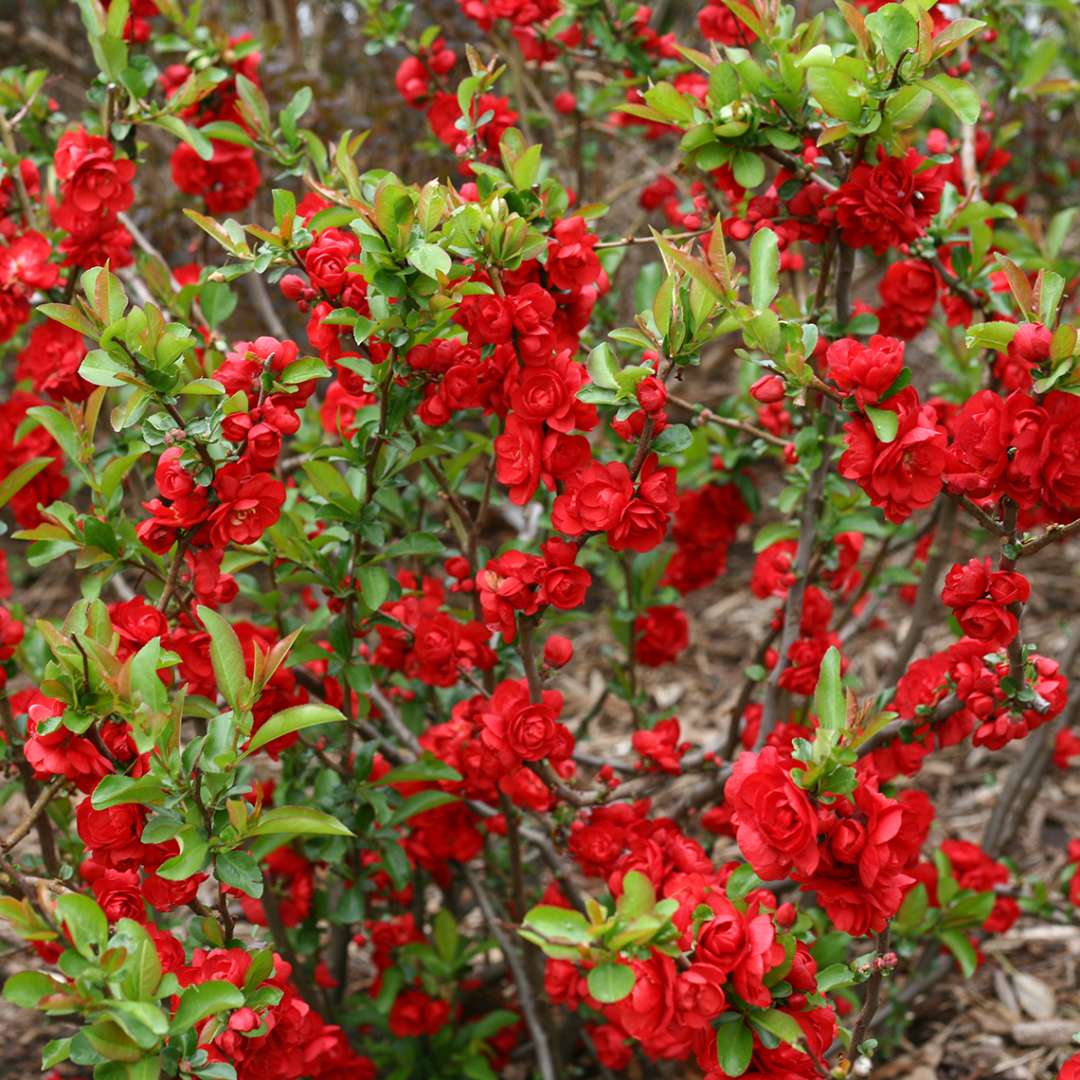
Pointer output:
x,y
113,834
414,1013
227,182
250,504
593,501
660,634
327,258
887,205
904,475
517,458
118,894
660,745
572,264
92,178
776,825
699,995
866,371
51,362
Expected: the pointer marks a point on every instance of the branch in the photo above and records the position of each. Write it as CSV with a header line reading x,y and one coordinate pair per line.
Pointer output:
x,y
707,416
793,608
529,1005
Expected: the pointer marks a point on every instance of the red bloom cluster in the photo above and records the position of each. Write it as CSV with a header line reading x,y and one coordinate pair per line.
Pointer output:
x,y
50,361
983,600
229,181
95,186
516,583
909,290
865,371
48,485
604,498
1018,448
428,644
888,205
24,268
275,1042
903,475
853,852
706,522
244,498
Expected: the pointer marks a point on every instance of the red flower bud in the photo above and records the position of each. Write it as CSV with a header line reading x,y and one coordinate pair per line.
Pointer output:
x,y
651,394
767,389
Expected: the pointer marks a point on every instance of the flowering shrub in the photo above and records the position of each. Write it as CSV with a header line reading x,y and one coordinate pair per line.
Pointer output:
x,y
308,789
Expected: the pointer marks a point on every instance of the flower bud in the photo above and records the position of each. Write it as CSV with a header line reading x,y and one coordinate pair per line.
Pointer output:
x,y
767,389
565,103
651,394
558,651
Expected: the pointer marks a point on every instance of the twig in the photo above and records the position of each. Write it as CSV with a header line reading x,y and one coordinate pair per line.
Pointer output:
x,y
529,1005
927,591
707,416
804,553
872,1000
38,808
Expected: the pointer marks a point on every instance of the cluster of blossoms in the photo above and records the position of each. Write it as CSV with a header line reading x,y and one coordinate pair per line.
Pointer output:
x,y
244,498
855,853
734,950
229,181
984,600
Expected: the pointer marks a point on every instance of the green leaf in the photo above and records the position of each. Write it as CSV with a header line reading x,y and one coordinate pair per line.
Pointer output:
x,y
638,895
558,924
906,107
226,655
764,268
954,94
742,881
117,790
773,533
836,92
834,977
20,476
610,982
255,104
673,439
290,115
192,857
59,427
240,870
141,970
781,1024
894,31
430,260
205,999
748,169
298,821
829,701
427,767
85,921
217,301
304,370
957,942
27,988
603,367
69,316
734,1047
884,421
185,133
419,803
374,584
991,335
289,720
